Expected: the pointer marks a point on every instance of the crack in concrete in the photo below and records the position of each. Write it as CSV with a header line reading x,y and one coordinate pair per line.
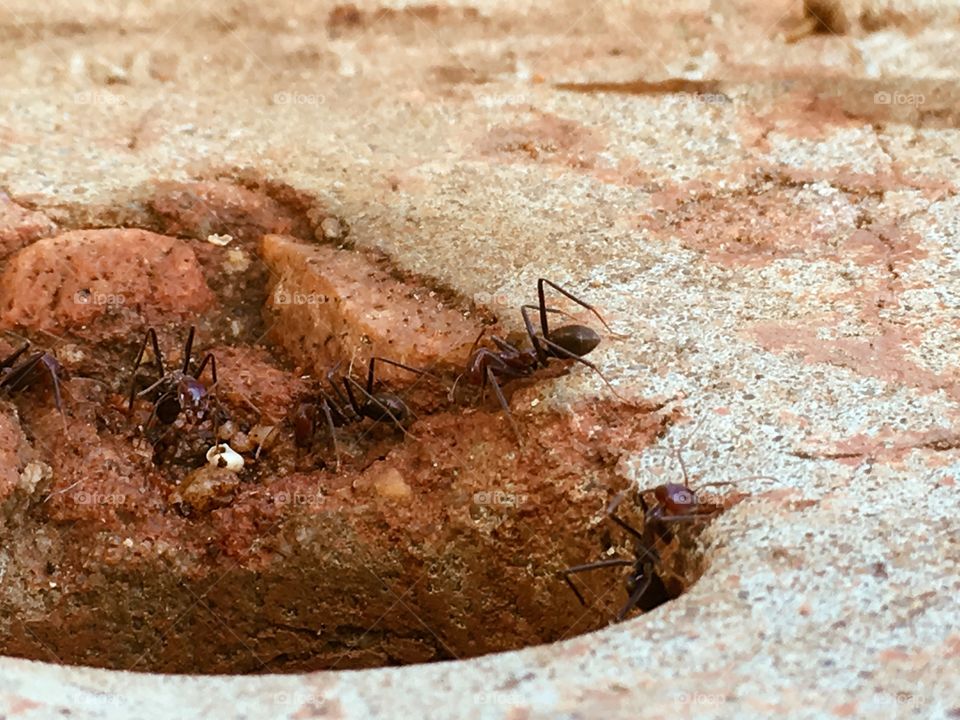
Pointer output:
x,y
942,444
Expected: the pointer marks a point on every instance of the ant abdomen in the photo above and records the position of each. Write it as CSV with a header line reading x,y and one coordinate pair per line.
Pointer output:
x,y
168,409
577,340
387,406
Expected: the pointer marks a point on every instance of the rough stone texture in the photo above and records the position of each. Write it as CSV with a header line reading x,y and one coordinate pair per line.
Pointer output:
x,y
20,226
100,278
328,304
439,133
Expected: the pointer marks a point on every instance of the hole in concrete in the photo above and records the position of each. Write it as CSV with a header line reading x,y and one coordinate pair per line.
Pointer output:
x,y
121,549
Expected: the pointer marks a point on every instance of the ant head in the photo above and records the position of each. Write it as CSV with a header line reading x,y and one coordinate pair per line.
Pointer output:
x,y
192,394
304,423
675,498
634,579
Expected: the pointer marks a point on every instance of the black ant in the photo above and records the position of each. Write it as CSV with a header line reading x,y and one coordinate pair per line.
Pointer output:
x,y
177,391
662,506
343,408
16,376
508,362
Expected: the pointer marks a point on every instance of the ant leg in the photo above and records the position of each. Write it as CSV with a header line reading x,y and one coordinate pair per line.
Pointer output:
x,y
216,420
153,412
339,416
530,306
503,345
612,514
348,381
409,368
641,548
351,398
153,387
187,349
476,342
17,379
503,403
53,367
333,430
613,562
341,401
531,333
453,389
564,353
738,480
635,597
370,373
569,295
208,358
150,335
12,357
698,517
451,396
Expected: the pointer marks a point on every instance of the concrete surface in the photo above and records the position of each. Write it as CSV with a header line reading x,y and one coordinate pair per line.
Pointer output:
x,y
778,235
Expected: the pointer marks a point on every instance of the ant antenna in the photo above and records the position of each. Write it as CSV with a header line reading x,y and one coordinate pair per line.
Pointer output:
x,y
678,451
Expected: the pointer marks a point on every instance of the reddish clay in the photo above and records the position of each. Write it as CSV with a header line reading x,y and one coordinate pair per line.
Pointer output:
x,y
19,226
201,209
468,530
327,304
13,445
102,281
881,356
118,555
545,138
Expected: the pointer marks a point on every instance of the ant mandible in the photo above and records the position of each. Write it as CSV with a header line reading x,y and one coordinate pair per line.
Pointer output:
x,y
662,506
508,362
341,409
178,390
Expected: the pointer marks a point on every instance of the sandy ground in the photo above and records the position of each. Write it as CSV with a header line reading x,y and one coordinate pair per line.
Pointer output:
x,y
772,223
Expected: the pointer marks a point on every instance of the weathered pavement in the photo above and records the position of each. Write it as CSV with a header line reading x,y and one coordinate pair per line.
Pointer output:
x,y
777,234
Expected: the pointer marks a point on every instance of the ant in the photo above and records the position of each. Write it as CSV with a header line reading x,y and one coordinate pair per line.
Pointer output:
x,y
15,376
508,362
342,408
662,506
177,391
